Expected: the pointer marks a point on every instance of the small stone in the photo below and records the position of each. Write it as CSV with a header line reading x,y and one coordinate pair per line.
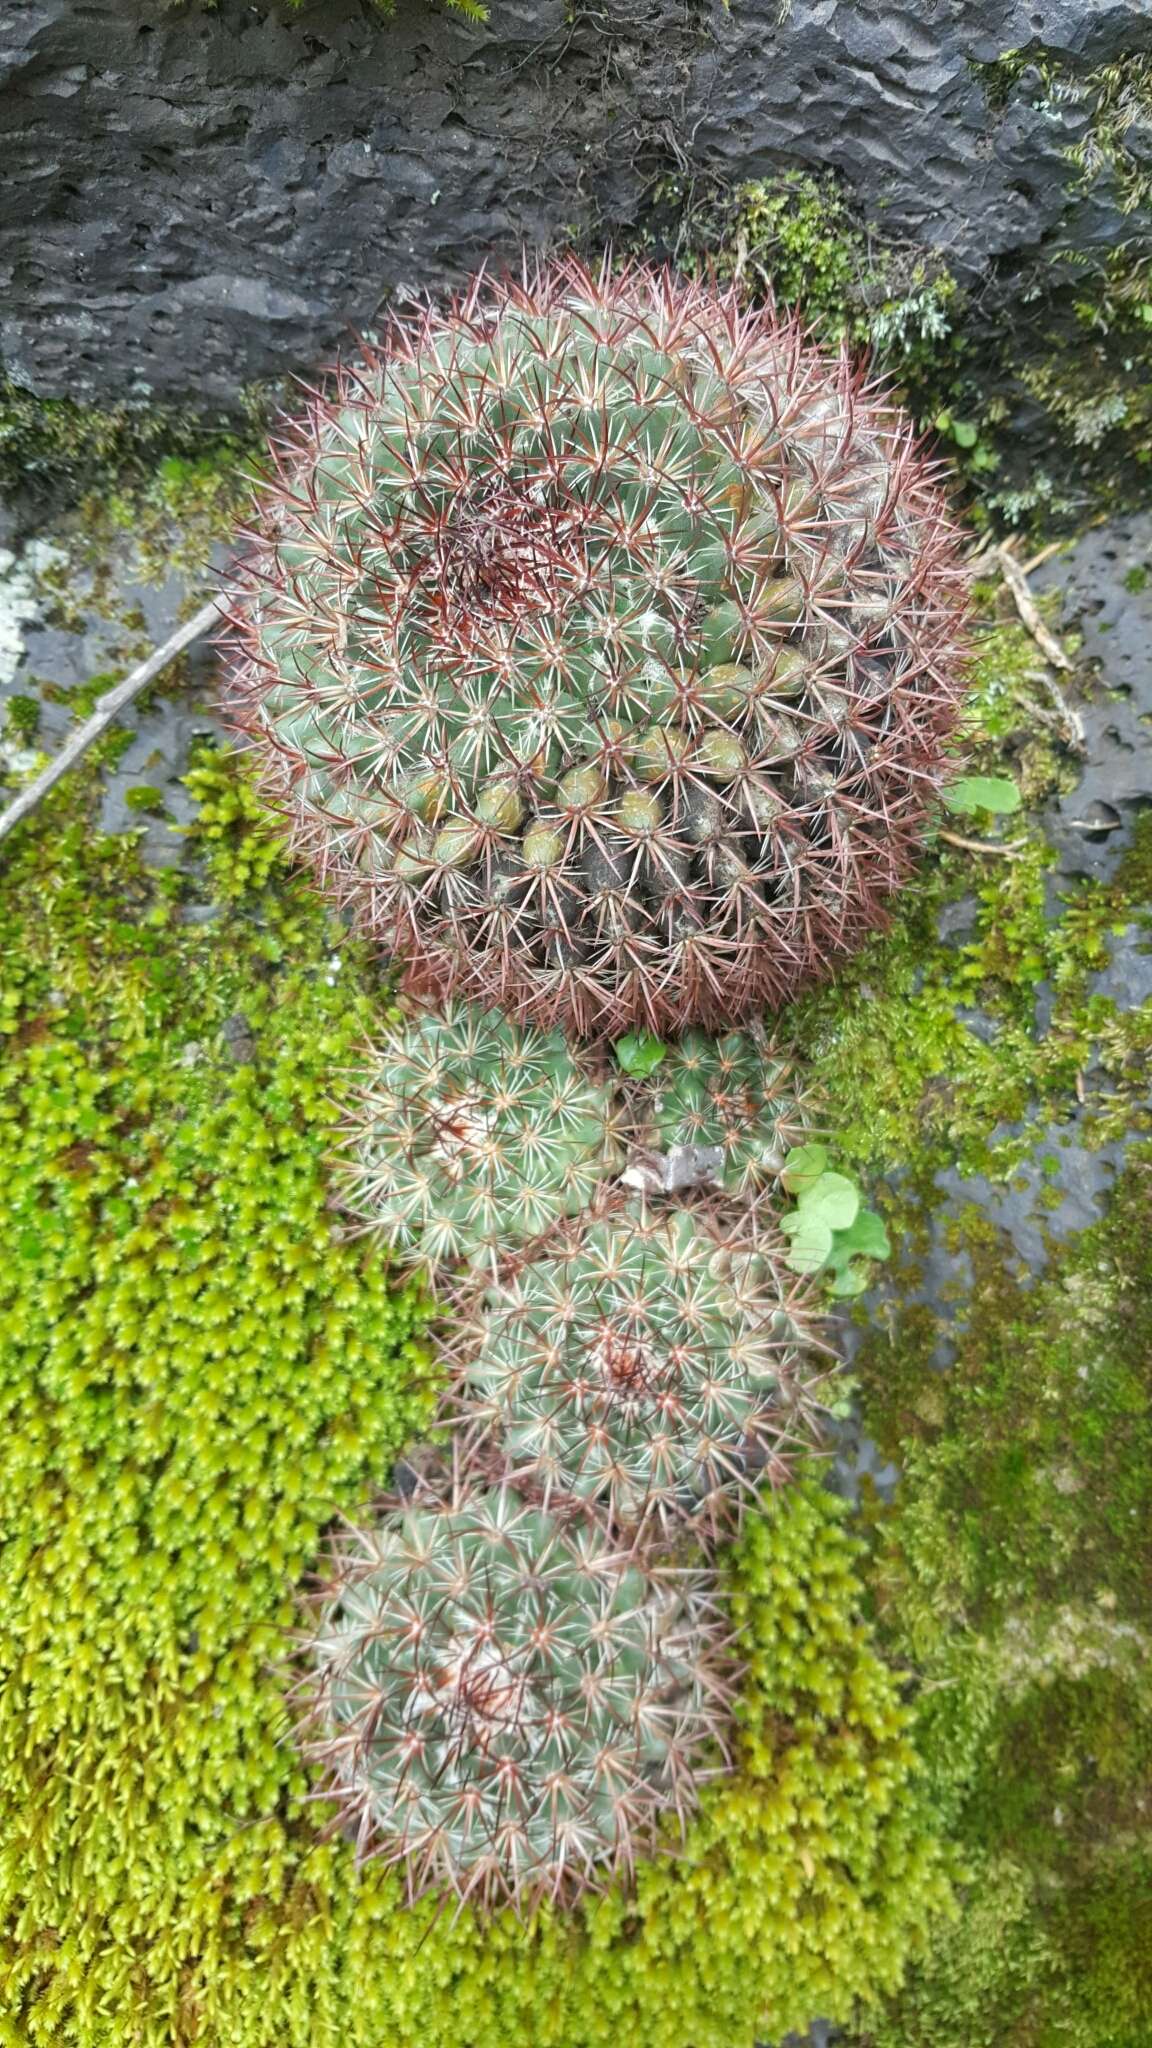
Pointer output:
x,y
674,1172
239,1042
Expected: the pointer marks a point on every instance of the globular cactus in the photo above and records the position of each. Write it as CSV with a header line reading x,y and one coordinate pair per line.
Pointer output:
x,y
653,1369
470,1135
730,1093
600,640
506,1703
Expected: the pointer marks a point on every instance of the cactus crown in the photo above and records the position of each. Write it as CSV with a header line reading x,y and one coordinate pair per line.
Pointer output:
x,y
509,1705
471,1134
599,642
729,1092
645,1368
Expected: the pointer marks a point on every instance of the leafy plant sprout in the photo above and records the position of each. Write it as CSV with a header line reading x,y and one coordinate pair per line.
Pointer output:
x,y
508,1704
600,641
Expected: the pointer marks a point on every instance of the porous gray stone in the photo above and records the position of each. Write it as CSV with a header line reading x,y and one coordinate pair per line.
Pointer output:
x,y
193,199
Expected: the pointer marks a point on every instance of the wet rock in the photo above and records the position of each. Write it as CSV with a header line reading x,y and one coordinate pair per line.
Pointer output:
x,y
239,1042
67,625
353,158
1106,586
1127,979
958,920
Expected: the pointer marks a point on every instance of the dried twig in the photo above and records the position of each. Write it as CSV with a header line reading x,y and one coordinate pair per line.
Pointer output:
x,y
1017,583
1007,847
105,710
1054,547
1046,641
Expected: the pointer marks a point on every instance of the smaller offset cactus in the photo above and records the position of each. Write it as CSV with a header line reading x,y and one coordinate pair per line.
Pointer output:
x,y
728,1092
645,1369
508,1705
472,1135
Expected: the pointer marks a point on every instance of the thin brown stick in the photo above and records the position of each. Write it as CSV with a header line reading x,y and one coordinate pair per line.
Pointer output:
x,y
103,713
1054,547
1005,846
1017,583
1046,641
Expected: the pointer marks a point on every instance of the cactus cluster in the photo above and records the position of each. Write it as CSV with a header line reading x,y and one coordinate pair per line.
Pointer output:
x,y
599,641
651,1366
469,1137
508,1704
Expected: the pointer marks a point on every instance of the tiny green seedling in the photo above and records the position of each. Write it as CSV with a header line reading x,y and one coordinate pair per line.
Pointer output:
x,y
995,793
829,1232
640,1053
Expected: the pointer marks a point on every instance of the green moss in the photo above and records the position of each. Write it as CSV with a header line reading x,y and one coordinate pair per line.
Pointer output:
x,y
1012,1576
59,448
245,851
1029,1463
204,1374
22,716
1069,362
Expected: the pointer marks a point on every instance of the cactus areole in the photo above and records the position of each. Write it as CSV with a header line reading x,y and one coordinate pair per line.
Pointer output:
x,y
599,640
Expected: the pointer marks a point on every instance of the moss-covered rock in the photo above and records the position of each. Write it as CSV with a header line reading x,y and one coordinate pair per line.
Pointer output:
x,y
1013,1576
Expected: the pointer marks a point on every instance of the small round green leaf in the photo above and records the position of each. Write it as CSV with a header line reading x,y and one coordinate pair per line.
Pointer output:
x,y
803,1166
811,1241
832,1198
640,1054
995,793
865,1238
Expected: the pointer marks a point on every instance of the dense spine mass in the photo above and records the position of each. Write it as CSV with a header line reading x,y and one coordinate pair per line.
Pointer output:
x,y
649,1367
599,641
470,1136
508,1705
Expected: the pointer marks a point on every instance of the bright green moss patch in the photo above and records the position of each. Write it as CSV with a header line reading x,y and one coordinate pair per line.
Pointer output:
x,y
1013,1576
197,1374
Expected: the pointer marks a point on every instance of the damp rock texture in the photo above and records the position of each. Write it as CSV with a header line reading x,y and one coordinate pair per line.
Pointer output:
x,y
197,198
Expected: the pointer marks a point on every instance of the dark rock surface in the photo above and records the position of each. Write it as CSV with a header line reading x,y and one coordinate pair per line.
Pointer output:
x,y
194,199
1106,586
